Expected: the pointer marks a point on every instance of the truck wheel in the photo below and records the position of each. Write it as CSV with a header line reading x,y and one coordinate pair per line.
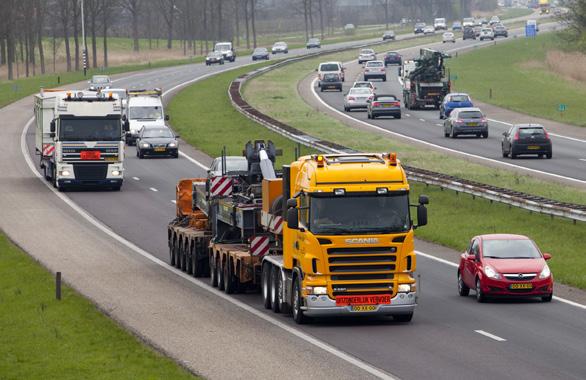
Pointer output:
x,y
183,257
403,317
220,271
276,290
213,272
172,254
265,285
298,315
188,260
230,284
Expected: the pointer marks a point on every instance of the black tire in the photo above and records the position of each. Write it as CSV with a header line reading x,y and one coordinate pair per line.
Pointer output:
x,y
140,155
298,315
384,79
373,116
265,285
346,109
213,272
276,290
446,134
220,271
480,297
505,154
172,254
403,318
547,298
485,135
452,134
512,153
230,282
368,115
189,260
548,155
463,289
398,116
321,89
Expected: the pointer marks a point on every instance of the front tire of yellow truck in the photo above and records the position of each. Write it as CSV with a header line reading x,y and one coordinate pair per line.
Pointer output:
x,y
296,303
276,290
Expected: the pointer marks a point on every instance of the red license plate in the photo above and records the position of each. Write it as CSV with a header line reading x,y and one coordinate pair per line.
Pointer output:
x,y
363,300
90,155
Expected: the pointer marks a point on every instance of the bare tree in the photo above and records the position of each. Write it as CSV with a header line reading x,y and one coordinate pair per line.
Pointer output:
x,y
253,21
40,7
107,9
236,5
92,12
321,17
168,9
247,23
75,15
134,7
65,15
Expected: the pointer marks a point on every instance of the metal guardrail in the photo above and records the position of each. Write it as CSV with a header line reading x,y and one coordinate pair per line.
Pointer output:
x,y
575,212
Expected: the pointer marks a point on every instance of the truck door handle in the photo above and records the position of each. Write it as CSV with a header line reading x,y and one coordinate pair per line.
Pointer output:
x,y
297,244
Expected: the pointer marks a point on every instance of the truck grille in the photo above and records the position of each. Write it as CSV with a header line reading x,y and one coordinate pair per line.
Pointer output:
x,y
90,172
71,151
364,270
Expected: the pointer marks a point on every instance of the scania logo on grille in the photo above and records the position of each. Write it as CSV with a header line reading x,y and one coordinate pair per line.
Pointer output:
x,y
521,275
362,241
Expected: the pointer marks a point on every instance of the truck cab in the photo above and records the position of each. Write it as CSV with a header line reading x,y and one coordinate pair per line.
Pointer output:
x,y
143,108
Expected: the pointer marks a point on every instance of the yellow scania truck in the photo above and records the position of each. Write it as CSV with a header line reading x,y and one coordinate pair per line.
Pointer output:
x,y
329,235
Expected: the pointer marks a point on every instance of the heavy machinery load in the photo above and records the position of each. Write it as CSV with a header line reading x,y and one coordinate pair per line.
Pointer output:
x,y
79,138
328,235
426,84
544,7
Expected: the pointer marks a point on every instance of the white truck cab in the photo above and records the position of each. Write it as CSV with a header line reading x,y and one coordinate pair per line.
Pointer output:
x,y
227,50
143,108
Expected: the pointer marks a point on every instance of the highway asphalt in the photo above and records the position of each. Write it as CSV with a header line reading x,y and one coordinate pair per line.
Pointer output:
x,y
425,125
539,341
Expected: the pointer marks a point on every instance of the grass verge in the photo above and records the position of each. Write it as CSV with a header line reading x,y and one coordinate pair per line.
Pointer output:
x,y
517,72
219,124
69,339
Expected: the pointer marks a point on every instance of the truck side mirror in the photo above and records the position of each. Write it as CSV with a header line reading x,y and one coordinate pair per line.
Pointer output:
x,y
52,126
52,135
421,215
293,218
167,117
124,118
423,200
126,126
291,203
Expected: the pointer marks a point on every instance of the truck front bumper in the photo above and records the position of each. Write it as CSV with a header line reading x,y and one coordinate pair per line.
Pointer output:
x,y
324,306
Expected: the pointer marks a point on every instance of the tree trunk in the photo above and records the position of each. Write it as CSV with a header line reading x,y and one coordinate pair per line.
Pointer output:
x,y
105,17
3,50
247,22
39,32
321,18
387,14
219,20
253,21
305,12
65,23
75,14
311,17
135,46
10,52
237,20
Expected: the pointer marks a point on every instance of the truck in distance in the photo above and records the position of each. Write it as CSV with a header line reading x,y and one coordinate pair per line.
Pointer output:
x,y
329,235
79,138
425,84
144,108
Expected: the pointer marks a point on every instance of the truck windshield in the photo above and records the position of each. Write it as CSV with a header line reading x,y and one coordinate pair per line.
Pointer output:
x,y
359,214
152,112
94,129
223,47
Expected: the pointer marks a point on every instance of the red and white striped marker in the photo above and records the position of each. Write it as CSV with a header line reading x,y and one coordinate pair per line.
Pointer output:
x,y
220,186
276,225
48,149
259,245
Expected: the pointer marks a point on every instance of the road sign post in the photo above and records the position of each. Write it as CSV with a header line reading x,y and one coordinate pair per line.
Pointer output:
x,y
562,108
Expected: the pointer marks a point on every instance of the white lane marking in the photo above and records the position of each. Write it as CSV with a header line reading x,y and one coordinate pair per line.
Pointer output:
x,y
582,159
454,265
551,134
203,285
153,189
136,178
408,114
173,201
439,125
422,120
502,163
491,336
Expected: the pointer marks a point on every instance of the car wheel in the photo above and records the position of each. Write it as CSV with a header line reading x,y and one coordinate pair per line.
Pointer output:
x,y
346,109
321,89
512,153
213,272
548,155
398,116
463,289
140,155
547,298
480,297
505,154
384,79
485,135
368,115
452,133
265,285
446,133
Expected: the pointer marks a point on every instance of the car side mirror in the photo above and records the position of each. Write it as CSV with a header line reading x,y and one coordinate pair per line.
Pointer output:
x,y
126,126
167,117
293,218
547,256
52,126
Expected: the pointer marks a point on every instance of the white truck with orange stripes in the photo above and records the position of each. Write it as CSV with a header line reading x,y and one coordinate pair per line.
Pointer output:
x,y
330,235
80,138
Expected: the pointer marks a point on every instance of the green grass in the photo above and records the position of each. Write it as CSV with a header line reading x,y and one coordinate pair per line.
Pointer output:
x,y
11,91
42,338
455,219
517,74
275,93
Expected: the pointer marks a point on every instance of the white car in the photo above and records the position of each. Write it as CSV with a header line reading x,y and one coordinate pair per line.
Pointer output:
x,y
429,30
364,84
486,34
366,55
280,47
375,69
468,21
329,67
440,24
357,98
448,37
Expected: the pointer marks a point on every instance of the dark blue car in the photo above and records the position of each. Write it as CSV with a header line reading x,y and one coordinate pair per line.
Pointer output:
x,y
452,101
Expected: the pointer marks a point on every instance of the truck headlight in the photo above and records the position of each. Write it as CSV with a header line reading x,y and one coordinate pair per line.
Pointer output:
x,y
545,273
115,172
320,290
490,272
405,288
65,173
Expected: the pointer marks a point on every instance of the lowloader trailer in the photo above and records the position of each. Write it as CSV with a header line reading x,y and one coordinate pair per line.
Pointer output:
x,y
329,235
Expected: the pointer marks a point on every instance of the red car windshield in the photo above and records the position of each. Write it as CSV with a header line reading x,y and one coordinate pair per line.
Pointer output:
x,y
509,249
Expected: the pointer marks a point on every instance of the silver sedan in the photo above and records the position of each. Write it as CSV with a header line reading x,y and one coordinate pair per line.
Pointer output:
x,y
357,98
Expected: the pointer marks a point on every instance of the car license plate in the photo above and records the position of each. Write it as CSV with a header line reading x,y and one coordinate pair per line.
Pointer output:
x,y
363,308
90,155
533,147
362,300
522,286
387,105
472,124
160,149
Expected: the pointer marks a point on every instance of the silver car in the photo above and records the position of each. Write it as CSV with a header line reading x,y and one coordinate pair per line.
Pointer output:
x,y
234,165
280,47
357,98
99,82
364,84
466,121
366,55
448,37
375,69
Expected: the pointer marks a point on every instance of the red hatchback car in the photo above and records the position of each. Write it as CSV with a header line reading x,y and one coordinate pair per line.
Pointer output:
x,y
504,265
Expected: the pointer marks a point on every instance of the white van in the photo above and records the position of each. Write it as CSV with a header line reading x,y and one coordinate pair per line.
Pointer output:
x,y
440,24
329,67
227,50
143,108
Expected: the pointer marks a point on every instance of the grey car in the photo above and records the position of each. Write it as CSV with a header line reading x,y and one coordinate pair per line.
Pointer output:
x,y
331,81
157,141
357,98
384,105
530,139
313,43
99,82
466,121
234,165
215,57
